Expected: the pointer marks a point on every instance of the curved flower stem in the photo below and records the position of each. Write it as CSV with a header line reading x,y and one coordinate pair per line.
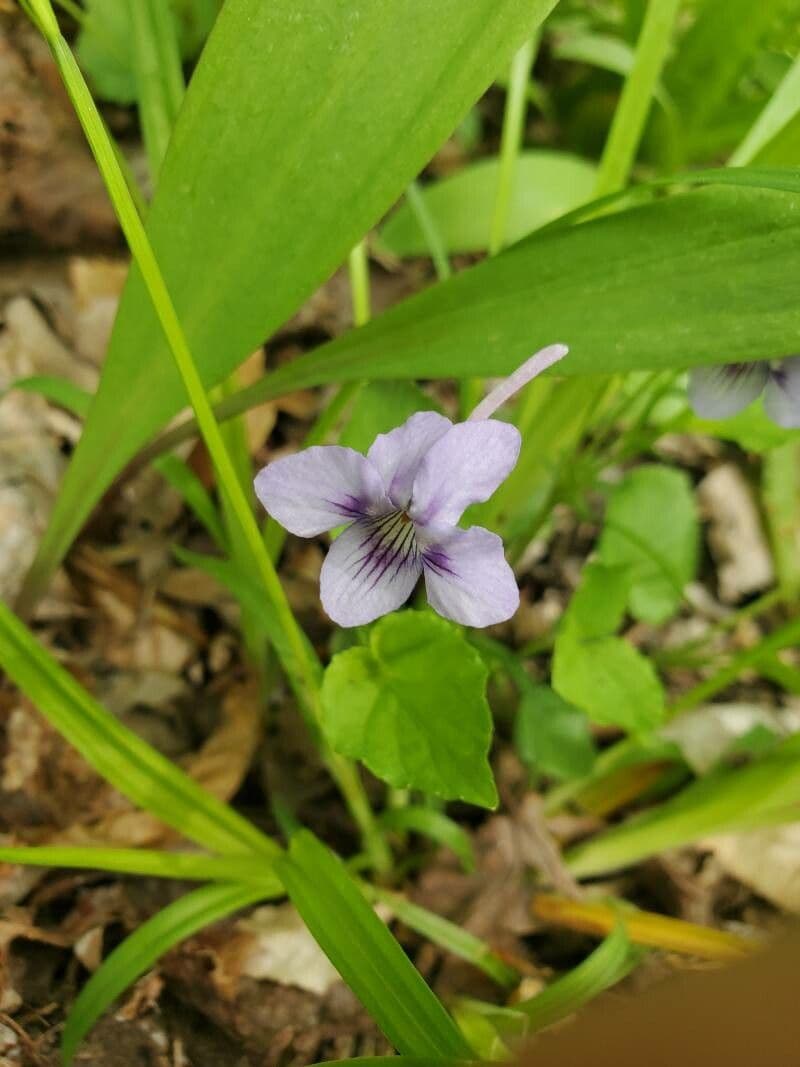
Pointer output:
x,y
294,651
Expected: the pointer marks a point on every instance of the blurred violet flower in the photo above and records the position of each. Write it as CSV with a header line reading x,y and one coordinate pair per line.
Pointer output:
x,y
403,501
720,391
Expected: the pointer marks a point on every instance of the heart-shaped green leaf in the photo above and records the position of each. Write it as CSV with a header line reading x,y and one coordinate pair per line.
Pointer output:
x,y
412,707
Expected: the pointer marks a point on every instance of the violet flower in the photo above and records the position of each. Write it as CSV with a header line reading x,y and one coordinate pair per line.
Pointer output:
x,y
719,391
403,501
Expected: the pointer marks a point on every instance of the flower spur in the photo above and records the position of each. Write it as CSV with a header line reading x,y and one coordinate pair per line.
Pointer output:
x,y
403,501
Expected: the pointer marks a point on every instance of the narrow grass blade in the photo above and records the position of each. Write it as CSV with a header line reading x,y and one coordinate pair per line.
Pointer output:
x,y
639,90
184,481
447,935
123,759
610,962
141,949
159,77
782,108
723,802
147,862
485,320
59,391
365,953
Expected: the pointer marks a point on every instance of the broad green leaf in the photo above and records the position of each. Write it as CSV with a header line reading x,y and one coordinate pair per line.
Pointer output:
x,y
365,954
378,408
609,679
144,947
725,801
257,204
597,606
651,528
126,761
546,184
599,288
610,962
552,736
412,706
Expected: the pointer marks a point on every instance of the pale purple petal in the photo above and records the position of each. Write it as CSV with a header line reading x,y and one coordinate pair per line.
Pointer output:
x,y
521,376
468,579
398,454
319,488
463,467
782,395
720,391
371,569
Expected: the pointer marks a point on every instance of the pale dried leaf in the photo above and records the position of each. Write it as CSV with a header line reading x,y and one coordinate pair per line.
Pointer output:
x,y
97,285
736,537
767,861
24,735
281,949
89,948
705,734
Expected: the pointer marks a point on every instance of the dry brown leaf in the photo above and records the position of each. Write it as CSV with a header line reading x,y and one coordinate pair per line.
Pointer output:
x,y
219,766
49,185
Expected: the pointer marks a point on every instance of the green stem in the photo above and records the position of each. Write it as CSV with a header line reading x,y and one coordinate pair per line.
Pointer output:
x,y
471,389
430,231
159,75
358,269
511,141
630,116
294,651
